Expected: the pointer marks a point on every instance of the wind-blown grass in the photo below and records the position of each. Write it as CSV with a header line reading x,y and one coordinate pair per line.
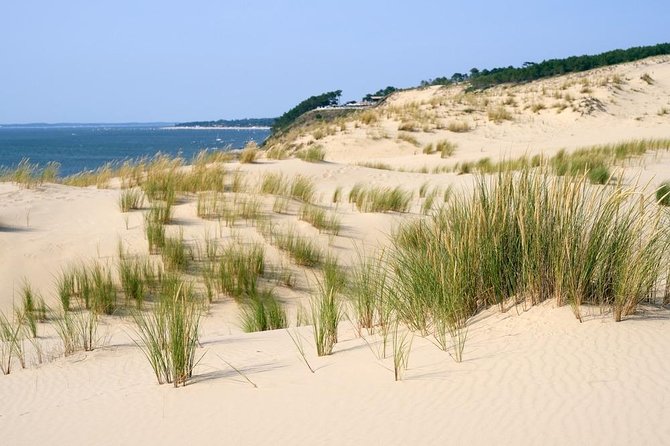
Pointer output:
x,y
380,199
325,222
526,239
168,335
131,199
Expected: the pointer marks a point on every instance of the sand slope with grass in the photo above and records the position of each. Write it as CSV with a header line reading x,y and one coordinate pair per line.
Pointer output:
x,y
529,374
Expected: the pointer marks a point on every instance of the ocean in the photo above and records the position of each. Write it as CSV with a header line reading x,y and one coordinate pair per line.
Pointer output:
x,y
81,147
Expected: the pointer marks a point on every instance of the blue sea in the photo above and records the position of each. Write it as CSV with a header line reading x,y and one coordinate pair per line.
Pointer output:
x,y
80,147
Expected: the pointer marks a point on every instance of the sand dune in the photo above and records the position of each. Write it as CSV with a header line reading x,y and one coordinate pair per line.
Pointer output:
x,y
530,376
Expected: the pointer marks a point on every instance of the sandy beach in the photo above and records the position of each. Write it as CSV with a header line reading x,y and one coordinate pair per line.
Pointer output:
x,y
529,375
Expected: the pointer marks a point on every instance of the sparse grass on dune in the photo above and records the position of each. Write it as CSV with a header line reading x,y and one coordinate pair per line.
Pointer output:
x,y
325,317
301,249
238,270
11,344
376,165
409,139
458,127
324,221
131,199
378,199
262,311
312,154
499,114
249,153
168,335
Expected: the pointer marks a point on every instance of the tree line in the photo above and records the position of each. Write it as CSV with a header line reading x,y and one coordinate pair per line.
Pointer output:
x,y
530,71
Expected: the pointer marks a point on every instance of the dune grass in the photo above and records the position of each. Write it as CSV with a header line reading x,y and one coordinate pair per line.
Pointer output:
x,y
312,154
458,127
132,277
302,250
526,239
168,335
663,193
11,344
325,317
211,205
249,153
324,221
238,270
130,199
175,253
261,312
380,199
303,189
445,148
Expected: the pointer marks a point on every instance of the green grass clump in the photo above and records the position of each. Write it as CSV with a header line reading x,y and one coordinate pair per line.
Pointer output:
x,y
263,312
408,138
446,148
131,274
11,344
102,289
499,114
78,330
302,189
325,318
526,238
376,165
239,268
131,199
313,154
274,183
175,254
322,220
211,205
599,175
458,127
160,212
155,234
249,153
168,335
663,194
378,199
303,251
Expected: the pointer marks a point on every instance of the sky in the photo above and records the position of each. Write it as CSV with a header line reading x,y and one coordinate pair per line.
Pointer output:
x,y
147,60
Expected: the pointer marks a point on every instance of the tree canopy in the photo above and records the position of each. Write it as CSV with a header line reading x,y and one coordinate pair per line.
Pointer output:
x,y
328,99
552,67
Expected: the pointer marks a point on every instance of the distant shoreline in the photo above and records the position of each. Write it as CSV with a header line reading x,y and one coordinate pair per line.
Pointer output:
x,y
216,128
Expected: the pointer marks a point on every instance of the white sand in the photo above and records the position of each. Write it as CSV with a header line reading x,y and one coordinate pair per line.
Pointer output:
x,y
529,377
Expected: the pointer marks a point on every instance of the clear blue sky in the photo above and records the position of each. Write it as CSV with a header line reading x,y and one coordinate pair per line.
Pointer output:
x,y
146,60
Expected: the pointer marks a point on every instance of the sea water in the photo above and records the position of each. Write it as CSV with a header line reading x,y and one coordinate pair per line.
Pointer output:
x,y
81,147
